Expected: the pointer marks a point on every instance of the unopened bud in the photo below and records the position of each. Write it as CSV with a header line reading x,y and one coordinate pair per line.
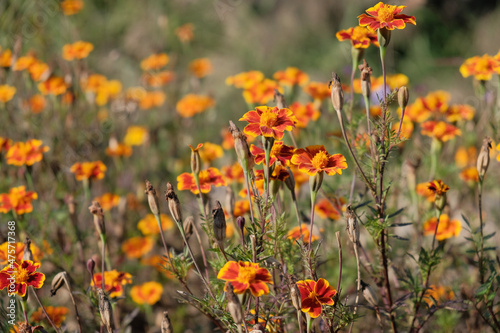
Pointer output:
x,y
166,326
352,226
290,183
234,305
337,95
483,160
369,294
195,159
240,221
188,227
366,73
219,223
105,310
295,296
280,99
383,36
403,96
153,201
28,255
316,181
241,147
96,210
174,204
58,282
91,266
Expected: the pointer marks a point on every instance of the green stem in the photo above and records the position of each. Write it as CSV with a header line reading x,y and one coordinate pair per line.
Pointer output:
x,y
481,253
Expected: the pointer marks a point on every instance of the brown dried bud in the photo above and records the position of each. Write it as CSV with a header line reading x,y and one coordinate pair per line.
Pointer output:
x,y
366,73
96,210
153,201
219,223
188,227
337,95
234,305
279,99
174,204
352,226
166,326
483,160
295,296
28,255
91,266
403,96
369,294
58,282
105,310
245,158
195,159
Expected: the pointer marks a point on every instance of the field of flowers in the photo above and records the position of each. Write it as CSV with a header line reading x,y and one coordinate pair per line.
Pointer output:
x,y
249,166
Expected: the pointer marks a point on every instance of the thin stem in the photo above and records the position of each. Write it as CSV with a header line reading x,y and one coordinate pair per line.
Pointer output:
x,y
76,310
247,184
205,263
313,200
44,311
103,255
481,269
337,234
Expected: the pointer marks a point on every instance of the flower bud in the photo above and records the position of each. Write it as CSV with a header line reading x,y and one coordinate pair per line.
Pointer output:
x,y
403,96
174,204
383,36
234,305
483,160
219,223
91,266
369,294
166,326
295,296
279,99
153,201
96,210
28,255
316,181
290,183
241,147
352,226
195,159
366,73
240,221
188,227
105,310
357,54
337,95
58,282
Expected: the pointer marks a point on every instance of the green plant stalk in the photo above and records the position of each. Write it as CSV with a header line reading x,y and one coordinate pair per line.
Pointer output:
x,y
372,145
313,201
247,184
309,323
481,253
355,63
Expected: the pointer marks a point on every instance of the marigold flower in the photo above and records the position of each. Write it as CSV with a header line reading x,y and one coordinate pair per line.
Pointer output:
x,y
77,50
407,128
192,104
147,293
71,7
262,92
18,252
159,79
56,314
29,152
24,62
149,226
152,99
18,200
245,80
297,233
233,173
304,113
465,156
437,294
107,90
279,173
54,85
469,174
210,152
459,112
438,187
360,37
314,294
317,90
136,136
93,82
314,159
185,32
154,62
36,103
207,178
201,67
385,16
241,207
447,228
136,247
113,282
291,76
279,152
108,200
5,144
6,58
326,209
88,170
21,276
423,190
246,276
7,93
440,130
118,149
269,122
482,68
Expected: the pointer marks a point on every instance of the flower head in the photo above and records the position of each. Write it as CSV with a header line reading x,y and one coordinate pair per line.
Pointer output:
x,y
157,79
71,7
447,228
116,149
36,103
6,92
297,233
6,58
88,170
18,252
269,122
18,200
291,76
136,136
209,177
114,282
233,173
108,200
21,276
56,314
438,187
318,90
185,32
192,104
210,152
77,50
245,80
314,294
152,99
482,68
360,37
137,247
440,130
314,159
54,85
437,294
304,113
29,152
330,208
149,226
385,16
246,276
279,152
261,92
154,62
147,293
201,67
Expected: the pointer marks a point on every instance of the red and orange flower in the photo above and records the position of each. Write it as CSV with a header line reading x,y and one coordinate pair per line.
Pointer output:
x,y
149,226
447,228
154,62
385,16
137,247
315,159
88,170
18,200
56,314
297,233
438,187
279,152
317,90
113,282
304,113
360,37
147,293
261,92
21,276
315,294
440,130
77,50
245,80
108,200
29,152
269,122
192,104
18,252
207,178
291,76
210,152
482,68
327,209
246,276
54,85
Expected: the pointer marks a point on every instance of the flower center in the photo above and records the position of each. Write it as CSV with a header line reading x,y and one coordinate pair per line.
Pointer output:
x,y
246,274
21,275
386,14
320,160
358,33
268,119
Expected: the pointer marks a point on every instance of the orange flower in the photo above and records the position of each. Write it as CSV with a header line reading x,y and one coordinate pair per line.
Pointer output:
x,y
482,68
304,113
317,90
279,173
423,190
6,58
56,314
17,200
71,7
315,294
210,152
107,90
438,187
29,152
360,37
136,247
7,93
437,294
245,80
326,209
447,228
406,128
118,149
269,122
93,82
149,226
233,173
88,170
147,293
246,276
159,79
201,67
37,103
376,84
385,16
185,32
192,104
297,233
77,50
465,156
152,99
113,282
108,200
5,144
18,252
53,86
469,174
209,177
136,136
279,152
314,159
154,62
440,130
460,112
24,62
291,76
262,92
21,276
241,207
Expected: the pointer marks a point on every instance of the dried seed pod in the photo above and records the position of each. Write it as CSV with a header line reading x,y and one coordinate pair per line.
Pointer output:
x,y
366,73
403,96
234,305
166,326
337,95
105,310
483,160
369,294
295,296
174,204
219,223
28,255
352,226
279,99
188,227
153,201
58,282
245,158
98,213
